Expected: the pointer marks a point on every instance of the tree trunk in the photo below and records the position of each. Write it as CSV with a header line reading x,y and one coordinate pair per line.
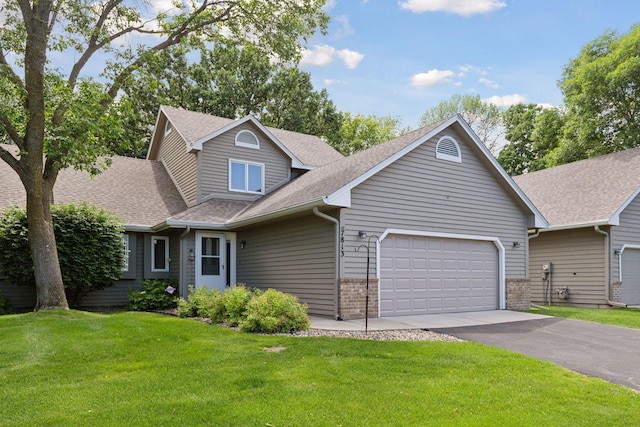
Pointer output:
x,y
42,240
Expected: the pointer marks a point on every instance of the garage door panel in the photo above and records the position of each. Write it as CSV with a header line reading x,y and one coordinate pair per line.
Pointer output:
x,y
631,276
421,275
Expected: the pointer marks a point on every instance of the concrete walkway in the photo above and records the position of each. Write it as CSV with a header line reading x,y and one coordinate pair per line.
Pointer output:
x,y
427,321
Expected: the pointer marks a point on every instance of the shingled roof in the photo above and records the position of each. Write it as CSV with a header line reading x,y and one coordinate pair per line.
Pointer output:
x,y
309,149
138,191
587,192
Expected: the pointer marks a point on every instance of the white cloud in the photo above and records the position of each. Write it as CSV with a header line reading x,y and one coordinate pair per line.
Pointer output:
x,y
351,58
346,28
331,82
506,101
330,4
459,7
488,83
431,78
465,69
323,55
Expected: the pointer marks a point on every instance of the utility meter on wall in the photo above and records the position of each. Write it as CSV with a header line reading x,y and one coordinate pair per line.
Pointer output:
x,y
546,267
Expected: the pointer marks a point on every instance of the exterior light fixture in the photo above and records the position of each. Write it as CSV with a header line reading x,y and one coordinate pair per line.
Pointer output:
x,y
516,244
362,234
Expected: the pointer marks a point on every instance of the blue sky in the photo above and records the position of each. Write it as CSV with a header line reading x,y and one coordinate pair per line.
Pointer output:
x,y
402,57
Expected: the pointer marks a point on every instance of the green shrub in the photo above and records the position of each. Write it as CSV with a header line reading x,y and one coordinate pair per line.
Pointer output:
x,y
232,306
275,312
89,242
5,306
152,295
200,302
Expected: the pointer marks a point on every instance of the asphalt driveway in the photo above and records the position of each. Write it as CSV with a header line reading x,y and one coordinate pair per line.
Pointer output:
x,y
608,352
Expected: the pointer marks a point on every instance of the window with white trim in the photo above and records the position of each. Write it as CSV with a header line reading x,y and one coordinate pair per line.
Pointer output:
x,y
246,177
127,250
246,138
159,253
448,149
168,127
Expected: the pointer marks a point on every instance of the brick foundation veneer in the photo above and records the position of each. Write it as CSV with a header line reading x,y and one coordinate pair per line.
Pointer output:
x,y
518,294
615,291
352,298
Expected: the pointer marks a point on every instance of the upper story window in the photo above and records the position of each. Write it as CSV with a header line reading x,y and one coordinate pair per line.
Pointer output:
x,y
448,149
159,253
248,139
168,127
247,177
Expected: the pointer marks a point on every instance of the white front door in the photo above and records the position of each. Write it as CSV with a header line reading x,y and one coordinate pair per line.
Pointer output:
x,y
211,260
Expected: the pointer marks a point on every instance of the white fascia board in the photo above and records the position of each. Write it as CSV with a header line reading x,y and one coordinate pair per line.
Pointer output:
x,y
276,214
540,221
201,225
496,241
295,162
579,225
133,228
615,218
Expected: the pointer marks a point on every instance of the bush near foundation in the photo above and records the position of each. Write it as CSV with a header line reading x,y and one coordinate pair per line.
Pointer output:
x,y
275,312
89,242
253,310
153,295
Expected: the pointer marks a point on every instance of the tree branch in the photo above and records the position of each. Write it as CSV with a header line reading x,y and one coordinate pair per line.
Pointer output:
x,y
12,131
11,161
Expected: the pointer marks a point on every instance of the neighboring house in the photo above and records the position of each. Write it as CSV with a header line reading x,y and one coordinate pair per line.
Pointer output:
x,y
592,249
221,201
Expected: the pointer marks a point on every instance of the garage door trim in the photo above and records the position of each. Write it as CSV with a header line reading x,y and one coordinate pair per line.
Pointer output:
x,y
494,240
625,246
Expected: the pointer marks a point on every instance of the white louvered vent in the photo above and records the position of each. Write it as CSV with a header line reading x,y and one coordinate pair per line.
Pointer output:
x,y
448,149
246,138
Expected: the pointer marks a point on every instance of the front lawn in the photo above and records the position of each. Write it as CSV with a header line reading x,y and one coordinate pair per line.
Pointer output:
x,y
627,317
130,369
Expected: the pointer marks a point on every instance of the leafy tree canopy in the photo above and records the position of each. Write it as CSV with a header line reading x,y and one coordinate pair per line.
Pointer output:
x,y
360,132
484,118
601,88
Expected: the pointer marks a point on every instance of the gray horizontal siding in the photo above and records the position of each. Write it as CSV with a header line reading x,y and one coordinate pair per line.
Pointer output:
x,y
113,296
213,162
578,263
296,256
628,232
21,297
182,165
420,192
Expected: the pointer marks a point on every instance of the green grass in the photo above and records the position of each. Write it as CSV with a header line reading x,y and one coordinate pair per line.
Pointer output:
x,y
139,369
627,317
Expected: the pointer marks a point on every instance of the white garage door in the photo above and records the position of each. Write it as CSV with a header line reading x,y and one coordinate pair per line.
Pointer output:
x,y
631,276
425,275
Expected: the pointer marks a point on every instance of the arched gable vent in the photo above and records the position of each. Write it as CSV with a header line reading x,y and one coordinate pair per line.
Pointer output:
x,y
448,149
246,138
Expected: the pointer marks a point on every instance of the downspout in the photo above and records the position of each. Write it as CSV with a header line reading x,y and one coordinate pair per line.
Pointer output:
x,y
607,272
336,294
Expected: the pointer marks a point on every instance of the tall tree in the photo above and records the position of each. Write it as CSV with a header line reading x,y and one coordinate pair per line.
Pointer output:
x,y
533,133
360,132
602,94
59,118
484,118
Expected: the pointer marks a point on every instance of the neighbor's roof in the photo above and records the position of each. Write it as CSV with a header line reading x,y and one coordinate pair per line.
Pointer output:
x,y
309,149
587,192
138,191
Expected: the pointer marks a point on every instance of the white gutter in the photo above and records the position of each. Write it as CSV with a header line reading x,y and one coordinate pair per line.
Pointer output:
x,y
607,272
319,214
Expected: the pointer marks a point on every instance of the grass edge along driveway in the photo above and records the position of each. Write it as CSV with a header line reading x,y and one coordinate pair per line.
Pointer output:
x,y
75,368
625,317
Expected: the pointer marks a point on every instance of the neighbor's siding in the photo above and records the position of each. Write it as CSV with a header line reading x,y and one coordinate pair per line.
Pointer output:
x,y
628,232
295,256
213,163
577,257
180,164
420,192
21,297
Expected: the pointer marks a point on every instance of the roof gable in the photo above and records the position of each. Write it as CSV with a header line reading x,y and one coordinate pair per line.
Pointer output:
x,y
305,151
588,192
